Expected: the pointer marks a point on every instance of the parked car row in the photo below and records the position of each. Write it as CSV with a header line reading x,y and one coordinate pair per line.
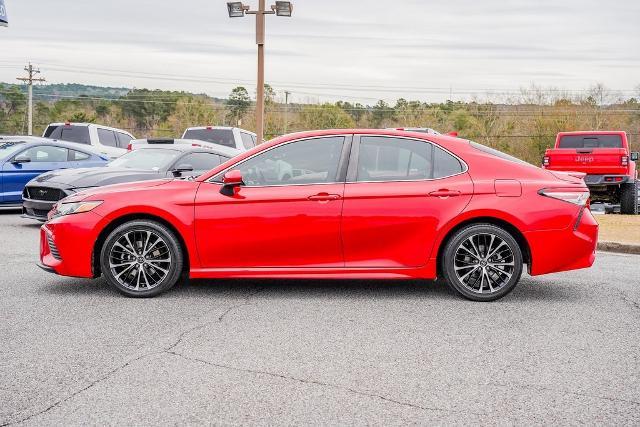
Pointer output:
x,y
68,152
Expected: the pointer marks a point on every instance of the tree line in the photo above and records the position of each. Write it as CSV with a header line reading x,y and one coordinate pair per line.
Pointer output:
x,y
523,125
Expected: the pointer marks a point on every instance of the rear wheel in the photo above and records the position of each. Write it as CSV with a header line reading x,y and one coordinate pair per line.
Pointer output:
x,y
141,258
482,262
629,198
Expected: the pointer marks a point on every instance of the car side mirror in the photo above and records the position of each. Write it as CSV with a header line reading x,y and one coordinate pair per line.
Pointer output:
x,y
231,181
183,167
634,156
21,159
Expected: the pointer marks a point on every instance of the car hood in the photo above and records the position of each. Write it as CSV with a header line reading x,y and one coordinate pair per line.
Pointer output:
x,y
93,177
99,192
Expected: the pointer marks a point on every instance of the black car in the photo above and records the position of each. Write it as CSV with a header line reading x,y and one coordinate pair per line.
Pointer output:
x,y
146,163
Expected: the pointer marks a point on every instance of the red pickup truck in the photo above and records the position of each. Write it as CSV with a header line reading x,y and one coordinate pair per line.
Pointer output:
x,y
605,158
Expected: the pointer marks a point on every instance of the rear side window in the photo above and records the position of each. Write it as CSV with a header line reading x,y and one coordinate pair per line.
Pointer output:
x,y
247,141
591,141
77,155
79,134
46,153
107,137
444,164
400,159
200,161
123,139
497,153
216,136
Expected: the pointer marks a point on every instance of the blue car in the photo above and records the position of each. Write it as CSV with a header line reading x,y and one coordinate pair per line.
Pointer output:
x,y
24,157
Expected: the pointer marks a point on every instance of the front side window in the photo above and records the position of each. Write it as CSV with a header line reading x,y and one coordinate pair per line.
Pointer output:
x,y
45,153
310,161
107,137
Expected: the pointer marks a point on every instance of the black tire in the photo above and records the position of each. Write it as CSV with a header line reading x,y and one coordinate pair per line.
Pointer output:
x,y
160,265
464,262
629,198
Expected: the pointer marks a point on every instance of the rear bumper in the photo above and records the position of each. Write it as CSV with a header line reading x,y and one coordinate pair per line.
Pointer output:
x,y
593,180
571,248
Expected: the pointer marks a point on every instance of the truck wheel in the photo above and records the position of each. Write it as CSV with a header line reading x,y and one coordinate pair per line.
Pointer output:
x,y
629,198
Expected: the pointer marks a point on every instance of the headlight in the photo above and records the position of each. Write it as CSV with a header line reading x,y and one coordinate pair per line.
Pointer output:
x,y
61,209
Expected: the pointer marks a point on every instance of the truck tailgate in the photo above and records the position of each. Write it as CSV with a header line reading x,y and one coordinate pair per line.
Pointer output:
x,y
592,161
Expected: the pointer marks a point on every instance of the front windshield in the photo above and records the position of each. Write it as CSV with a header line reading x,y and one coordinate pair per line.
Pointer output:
x,y
146,158
9,148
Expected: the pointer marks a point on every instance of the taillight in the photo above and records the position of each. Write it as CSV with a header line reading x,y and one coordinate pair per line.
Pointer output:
x,y
545,161
624,160
129,147
579,198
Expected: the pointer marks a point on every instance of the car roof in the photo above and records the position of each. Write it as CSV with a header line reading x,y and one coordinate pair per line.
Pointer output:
x,y
210,147
83,124
219,127
35,140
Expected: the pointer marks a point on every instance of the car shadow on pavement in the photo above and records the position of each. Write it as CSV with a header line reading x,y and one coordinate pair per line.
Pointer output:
x,y
527,290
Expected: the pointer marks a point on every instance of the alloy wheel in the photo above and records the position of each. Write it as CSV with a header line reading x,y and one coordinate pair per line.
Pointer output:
x,y
140,260
484,263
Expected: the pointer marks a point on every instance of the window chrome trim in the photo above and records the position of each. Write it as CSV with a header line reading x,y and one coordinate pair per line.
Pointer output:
x,y
234,166
357,159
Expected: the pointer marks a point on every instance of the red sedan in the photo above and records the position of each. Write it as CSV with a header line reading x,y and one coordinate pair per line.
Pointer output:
x,y
371,204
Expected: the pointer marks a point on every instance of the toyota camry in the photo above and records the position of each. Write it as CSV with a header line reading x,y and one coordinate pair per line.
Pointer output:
x,y
374,204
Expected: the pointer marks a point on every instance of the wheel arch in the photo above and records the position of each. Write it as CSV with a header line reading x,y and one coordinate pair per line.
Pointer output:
x,y
499,222
97,247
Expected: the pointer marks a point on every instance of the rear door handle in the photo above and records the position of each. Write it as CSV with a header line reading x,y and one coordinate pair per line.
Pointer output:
x,y
444,193
324,197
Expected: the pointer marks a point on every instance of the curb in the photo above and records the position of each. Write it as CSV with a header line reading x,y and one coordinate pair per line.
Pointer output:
x,y
624,248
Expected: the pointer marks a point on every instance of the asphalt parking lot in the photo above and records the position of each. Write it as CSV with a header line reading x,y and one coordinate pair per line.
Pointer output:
x,y
563,348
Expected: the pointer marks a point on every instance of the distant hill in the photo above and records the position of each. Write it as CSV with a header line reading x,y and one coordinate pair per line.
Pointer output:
x,y
59,91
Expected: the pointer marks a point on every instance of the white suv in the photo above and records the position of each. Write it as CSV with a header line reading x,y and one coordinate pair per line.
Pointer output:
x,y
222,135
111,142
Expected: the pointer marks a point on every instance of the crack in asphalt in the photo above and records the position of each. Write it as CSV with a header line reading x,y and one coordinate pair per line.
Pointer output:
x,y
168,349
77,392
573,393
627,300
320,383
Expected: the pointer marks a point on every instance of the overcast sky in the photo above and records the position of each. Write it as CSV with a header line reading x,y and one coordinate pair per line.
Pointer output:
x,y
356,50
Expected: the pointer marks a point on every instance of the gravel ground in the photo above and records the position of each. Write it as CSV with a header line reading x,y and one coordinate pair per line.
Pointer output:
x,y
561,348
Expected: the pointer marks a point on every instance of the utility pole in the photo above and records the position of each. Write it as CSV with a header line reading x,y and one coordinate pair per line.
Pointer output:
x,y
286,110
236,10
30,79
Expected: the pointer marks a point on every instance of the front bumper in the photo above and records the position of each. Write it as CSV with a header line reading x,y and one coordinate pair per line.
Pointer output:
x,y
36,209
571,248
66,244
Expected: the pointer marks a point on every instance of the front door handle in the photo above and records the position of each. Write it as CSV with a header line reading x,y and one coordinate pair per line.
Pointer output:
x,y
324,197
444,193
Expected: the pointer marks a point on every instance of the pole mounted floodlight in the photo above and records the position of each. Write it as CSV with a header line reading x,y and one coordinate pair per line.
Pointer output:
x,y
236,10
283,8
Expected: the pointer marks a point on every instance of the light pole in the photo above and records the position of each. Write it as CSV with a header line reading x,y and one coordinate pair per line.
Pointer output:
x,y
237,10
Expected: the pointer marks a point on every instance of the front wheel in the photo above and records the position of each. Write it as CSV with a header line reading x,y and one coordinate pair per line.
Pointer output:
x,y
482,262
141,258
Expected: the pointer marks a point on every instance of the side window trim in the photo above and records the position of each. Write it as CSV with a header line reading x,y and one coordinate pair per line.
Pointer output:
x,y
340,175
352,173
